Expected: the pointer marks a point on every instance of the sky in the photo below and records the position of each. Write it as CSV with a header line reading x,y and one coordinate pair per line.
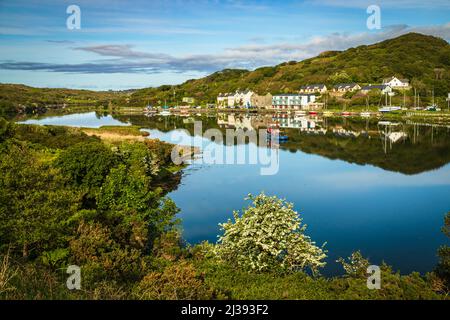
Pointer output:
x,y
134,44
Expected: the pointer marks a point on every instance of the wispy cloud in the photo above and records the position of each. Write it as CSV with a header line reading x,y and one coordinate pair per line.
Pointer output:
x,y
125,59
405,4
61,41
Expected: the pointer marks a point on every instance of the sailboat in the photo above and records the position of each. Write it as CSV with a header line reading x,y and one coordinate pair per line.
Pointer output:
x,y
389,108
165,111
366,114
433,106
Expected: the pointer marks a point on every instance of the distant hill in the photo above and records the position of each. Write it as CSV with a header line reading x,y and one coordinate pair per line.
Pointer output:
x,y
20,98
413,56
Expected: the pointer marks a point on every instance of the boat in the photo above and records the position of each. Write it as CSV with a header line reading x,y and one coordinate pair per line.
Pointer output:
x,y
433,107
312,113
273,135
165,113
366,114
346,113
389,109
280,137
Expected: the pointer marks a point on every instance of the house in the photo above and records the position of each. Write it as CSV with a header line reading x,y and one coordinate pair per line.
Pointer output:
x,y
346,87
292,101
235,100
222,100
261,102
313,88
188,100
396,83
246,98
382,87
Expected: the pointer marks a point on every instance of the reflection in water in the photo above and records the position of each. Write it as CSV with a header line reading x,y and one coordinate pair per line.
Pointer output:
x,y
88,120
360,184
404,147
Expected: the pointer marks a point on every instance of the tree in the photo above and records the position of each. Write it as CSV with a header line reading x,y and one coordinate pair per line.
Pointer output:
x,y
443,267
136,213
268,236
34,202
87,164
6,130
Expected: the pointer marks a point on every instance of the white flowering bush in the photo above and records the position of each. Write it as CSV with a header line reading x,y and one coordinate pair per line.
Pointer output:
x,y
268,236
354,265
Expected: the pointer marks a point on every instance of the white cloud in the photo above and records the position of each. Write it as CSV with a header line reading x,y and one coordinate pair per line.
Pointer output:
x,y
125,59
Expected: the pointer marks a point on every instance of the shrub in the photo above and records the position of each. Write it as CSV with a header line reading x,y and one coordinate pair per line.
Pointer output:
x,y
179,281
268,236
443,267
355,265
87,164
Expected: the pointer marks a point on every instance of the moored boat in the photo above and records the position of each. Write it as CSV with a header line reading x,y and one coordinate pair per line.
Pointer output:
x,y
389,109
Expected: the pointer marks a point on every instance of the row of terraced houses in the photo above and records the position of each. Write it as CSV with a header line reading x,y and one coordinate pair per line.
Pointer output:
x,y
305,99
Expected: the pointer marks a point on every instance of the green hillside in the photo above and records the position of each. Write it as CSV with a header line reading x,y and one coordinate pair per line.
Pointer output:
x,y
20,98
425,60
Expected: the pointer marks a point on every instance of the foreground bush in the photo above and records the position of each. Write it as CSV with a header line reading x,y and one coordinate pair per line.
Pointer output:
x,y
179,281
269,236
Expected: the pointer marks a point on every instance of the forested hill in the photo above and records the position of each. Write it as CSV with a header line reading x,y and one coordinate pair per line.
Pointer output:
x,y
16,98
423,59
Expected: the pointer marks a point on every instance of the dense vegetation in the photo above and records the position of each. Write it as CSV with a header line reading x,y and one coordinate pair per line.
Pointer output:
x,y
68,198
424,60
24,99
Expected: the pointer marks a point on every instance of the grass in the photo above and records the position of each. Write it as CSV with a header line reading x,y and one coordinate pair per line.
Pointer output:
x,y
117,133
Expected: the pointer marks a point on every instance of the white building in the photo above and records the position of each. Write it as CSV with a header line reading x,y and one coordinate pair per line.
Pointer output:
x,y
292,101
313,88
346,87
396,83
384,88
222,100
239,99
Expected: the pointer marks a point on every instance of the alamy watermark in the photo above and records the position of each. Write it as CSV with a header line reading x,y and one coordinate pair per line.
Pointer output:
x,y
74,280
374,279
374,20
261,147
74,20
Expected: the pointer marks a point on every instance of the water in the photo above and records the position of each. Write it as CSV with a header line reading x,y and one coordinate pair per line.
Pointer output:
x,y
87,120
358,184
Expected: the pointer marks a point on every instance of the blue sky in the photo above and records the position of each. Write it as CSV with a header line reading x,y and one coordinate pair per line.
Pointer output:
x,y
134,44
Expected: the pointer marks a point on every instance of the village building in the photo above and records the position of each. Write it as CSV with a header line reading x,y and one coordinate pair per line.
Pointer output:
x,y
383,88
188,100
292,101
396,83
222,100
346,87
244,99
314,88
261,101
